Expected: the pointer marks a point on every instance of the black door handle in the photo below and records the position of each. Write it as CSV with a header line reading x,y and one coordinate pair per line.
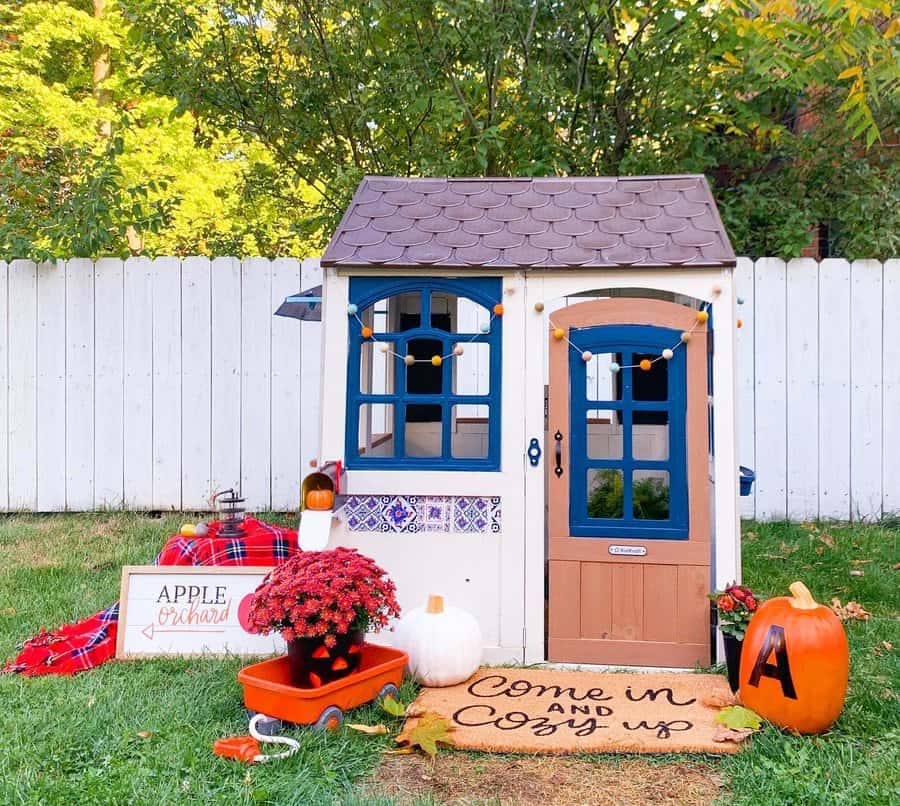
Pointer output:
x,y
558,469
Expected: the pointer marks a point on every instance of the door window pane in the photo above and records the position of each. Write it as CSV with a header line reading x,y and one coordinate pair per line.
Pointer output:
x,y
604,493
604,434
650,495
650,440
652,384
472,369
600,383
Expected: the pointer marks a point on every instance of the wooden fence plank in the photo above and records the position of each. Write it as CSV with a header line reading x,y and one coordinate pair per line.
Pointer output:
x,y
834,389
166,383
4,386
865,389
256,376
225,283
287,397
79,384
196,383
802,345
50,400
746,388
310,378
109,383
891,390
137,471
771,425
22,378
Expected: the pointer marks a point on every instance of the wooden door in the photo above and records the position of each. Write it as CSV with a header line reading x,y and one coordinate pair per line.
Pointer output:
x,y
628,503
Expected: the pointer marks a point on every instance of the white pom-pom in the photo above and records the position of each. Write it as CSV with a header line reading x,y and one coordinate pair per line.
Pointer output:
x,y
667,354
586,356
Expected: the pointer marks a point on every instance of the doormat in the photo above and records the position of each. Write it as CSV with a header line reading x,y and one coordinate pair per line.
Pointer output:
x,y
549,711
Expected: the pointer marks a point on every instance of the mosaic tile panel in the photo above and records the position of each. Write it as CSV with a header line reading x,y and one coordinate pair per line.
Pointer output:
x,y
422,513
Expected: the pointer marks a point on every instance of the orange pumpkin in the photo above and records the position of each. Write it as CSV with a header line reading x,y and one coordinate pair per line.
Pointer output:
x,y
320,499
795,663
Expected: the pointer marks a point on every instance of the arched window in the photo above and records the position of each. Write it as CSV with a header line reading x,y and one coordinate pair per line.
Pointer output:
x,y
423,391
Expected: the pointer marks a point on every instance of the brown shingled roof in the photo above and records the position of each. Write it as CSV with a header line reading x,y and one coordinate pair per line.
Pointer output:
x,y
573,222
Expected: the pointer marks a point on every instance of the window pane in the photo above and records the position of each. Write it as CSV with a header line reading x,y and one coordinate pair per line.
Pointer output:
x,y
650,495
471,370
443,310
601,383
650,440
652,384
604,493
604,434
423,438
376,369
376,429
469,438
389,315
470,316
423,378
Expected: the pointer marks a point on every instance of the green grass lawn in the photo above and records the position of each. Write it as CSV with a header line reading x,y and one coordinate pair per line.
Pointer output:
x,y
141,731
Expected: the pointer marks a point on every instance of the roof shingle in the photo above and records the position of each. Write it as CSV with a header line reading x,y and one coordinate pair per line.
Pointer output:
x,y
536,223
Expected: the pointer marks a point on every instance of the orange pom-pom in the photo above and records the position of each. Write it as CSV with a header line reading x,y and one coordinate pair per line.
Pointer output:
x,y
436,360
740,322
559,334
645,364
498,309
367,332
702,316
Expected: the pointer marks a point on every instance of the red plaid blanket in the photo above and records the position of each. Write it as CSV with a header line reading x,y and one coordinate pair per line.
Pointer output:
x,y
77,647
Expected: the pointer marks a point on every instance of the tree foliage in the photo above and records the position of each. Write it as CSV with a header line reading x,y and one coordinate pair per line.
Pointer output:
x,y
788,107
90,168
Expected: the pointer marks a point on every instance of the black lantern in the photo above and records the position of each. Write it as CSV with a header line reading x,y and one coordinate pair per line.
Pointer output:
x,y
232,513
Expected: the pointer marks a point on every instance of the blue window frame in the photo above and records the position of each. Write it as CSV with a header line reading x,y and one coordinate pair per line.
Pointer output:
x,y
610,495
407,406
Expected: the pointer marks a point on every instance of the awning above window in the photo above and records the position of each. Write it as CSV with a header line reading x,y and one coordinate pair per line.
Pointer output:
x,y
304,305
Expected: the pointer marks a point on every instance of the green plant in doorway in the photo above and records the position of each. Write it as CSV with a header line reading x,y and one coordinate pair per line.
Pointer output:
x,y
650,496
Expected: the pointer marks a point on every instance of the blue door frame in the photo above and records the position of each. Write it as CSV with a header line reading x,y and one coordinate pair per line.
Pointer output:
x,y
627,340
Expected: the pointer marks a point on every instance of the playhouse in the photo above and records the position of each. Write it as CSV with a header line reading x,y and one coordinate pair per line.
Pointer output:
x,y
529,411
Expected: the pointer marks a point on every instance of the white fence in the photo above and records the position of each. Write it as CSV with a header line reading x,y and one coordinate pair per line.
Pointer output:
x,y
147,384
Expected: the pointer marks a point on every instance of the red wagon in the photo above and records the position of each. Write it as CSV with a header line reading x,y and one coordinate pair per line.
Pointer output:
x,y
267,690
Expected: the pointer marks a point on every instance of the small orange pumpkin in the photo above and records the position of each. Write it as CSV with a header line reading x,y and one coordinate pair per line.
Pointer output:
x,y
320,499
795,663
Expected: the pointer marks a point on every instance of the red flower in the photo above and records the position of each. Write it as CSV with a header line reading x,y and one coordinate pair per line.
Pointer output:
x,y
750,603
725,603
324,593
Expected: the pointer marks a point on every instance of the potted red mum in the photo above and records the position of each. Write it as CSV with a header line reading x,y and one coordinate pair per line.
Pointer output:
x,y
735,607
323,603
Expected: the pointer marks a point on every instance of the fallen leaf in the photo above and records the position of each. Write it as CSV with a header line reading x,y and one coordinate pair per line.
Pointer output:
x,y
887,645
861,562
723,734
144,734
737,717
786,548
897,566
751,536
91,702
430,731
851,610
827,539
392,707
8,611
856,572
373,730
414,710
820,550
403,751
720,700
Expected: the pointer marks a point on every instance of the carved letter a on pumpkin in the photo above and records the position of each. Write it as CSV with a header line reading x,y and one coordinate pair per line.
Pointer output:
x,y
781,669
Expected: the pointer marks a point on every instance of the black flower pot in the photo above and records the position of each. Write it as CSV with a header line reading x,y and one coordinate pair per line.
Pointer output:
x,y
733,660
312,664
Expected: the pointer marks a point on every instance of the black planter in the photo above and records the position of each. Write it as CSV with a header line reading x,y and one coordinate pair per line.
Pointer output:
x,y
733,659
312,664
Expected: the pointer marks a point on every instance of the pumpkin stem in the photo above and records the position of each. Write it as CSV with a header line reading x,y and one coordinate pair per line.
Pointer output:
x,y
435,604
802,599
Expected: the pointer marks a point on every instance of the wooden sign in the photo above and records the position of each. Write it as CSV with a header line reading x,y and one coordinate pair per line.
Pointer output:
x,y
190,610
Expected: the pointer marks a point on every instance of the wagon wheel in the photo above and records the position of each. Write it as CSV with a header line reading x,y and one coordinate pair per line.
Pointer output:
x,y
331,719
268,725
389,690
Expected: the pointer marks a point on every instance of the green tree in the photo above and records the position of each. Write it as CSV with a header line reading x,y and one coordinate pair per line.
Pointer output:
x,y
339,88
92,162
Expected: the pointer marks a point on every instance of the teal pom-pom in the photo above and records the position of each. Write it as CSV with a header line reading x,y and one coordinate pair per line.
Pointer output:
x,y
351,309
486,327
614,367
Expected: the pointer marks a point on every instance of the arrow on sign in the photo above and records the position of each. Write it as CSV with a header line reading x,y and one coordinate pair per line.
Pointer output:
x,y
150,629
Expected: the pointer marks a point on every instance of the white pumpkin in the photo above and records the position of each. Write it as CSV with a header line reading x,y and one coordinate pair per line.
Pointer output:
x,y
443,643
